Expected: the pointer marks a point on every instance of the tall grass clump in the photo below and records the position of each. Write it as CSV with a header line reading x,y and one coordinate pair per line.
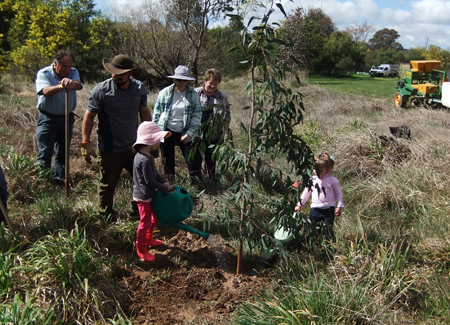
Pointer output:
x,y
69,272
361,288
25,312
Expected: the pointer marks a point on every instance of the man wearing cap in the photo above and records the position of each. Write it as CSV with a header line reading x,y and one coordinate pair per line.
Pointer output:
x,y
179,111
52,83
118,102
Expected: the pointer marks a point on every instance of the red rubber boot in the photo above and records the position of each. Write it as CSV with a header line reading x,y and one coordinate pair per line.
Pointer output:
x,y
151,241
144,254
149,236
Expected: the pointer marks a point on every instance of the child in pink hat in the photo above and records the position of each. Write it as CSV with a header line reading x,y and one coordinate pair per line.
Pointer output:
x,y
145,181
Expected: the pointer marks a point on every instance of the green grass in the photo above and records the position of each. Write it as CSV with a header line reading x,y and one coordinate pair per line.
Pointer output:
x,y
357,85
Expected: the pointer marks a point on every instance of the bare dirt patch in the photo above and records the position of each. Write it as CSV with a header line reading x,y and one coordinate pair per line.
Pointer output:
x,y
191,281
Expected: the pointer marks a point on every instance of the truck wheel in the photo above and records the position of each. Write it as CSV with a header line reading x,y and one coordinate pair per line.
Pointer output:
x,y
400,100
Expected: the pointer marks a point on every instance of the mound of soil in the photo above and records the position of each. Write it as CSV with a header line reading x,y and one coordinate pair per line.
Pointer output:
x,y
192,280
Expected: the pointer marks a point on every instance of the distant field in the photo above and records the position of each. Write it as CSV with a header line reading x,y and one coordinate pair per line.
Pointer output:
x,y
357,85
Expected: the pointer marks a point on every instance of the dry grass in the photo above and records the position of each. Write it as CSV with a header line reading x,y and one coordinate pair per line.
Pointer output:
x,y
394,186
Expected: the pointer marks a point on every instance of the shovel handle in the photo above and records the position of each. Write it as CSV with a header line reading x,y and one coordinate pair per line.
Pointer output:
x,y
66,166
8,221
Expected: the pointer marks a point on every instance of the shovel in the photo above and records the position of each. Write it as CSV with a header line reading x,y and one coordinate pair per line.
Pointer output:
x,y
66,179
8,221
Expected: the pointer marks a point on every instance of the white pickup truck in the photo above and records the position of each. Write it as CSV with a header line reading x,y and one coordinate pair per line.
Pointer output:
x,y
385,70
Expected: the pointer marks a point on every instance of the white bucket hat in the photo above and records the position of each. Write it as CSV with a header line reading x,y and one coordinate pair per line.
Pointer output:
x,y
149,134
182,73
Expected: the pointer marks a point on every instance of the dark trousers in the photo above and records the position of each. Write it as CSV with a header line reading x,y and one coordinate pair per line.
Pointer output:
x,y
51,137
325,216
210,162
168,156
111,166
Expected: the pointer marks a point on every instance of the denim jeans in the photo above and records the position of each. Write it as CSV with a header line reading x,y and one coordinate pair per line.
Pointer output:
x,y
51,137
325,216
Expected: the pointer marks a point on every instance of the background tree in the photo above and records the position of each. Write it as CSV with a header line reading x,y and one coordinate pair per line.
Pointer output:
x,y
219,42
295,34
389,56
415,54
16,17
41,28
153,39
6,17
340,55
2,59
305,33
385,39
360,33
436,53
194,17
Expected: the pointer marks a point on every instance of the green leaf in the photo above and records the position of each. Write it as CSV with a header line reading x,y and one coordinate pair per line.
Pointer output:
x,y
237,197
251,20
281,9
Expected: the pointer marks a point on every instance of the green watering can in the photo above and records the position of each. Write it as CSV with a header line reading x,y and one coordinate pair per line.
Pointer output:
x,y
171,208
285,235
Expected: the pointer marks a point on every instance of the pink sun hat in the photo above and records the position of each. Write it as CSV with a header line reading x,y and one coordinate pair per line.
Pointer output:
x,y
149,134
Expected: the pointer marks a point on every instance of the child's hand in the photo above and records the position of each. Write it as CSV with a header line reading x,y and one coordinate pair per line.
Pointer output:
x,y
338,212
171,188
297,208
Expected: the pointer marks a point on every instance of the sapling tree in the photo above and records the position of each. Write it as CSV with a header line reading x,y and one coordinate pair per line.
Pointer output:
x,y
274,112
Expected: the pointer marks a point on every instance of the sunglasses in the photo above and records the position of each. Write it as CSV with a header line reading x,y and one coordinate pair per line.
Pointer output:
x,y
180,80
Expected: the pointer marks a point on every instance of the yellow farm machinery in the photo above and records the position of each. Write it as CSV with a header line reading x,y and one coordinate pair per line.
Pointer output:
x,y
424,86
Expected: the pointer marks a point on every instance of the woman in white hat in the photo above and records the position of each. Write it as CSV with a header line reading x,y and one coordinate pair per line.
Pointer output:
x,y
179,111
145,181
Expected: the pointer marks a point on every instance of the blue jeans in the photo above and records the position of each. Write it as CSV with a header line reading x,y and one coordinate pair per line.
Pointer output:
x,y
51,137
325,216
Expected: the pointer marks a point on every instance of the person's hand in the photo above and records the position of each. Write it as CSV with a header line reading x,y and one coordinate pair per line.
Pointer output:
x,y
338,212
297,208
68,84
87,150
185,138
171,188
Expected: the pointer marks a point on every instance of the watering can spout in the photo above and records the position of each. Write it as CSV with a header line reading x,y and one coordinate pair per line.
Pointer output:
x,y
185,227
172,208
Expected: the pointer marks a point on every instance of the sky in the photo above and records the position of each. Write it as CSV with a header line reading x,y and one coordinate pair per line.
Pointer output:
x,y
419,23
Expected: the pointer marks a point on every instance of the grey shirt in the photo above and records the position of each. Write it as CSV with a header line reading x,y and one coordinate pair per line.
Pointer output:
x,y
118,112
146,178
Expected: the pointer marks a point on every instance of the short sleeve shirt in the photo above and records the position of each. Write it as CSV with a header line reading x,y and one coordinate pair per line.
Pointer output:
x,y
118,112
55,105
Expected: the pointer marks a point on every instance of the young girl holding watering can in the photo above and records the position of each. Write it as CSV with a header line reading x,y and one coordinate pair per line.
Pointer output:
x,y
326,192
145,180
